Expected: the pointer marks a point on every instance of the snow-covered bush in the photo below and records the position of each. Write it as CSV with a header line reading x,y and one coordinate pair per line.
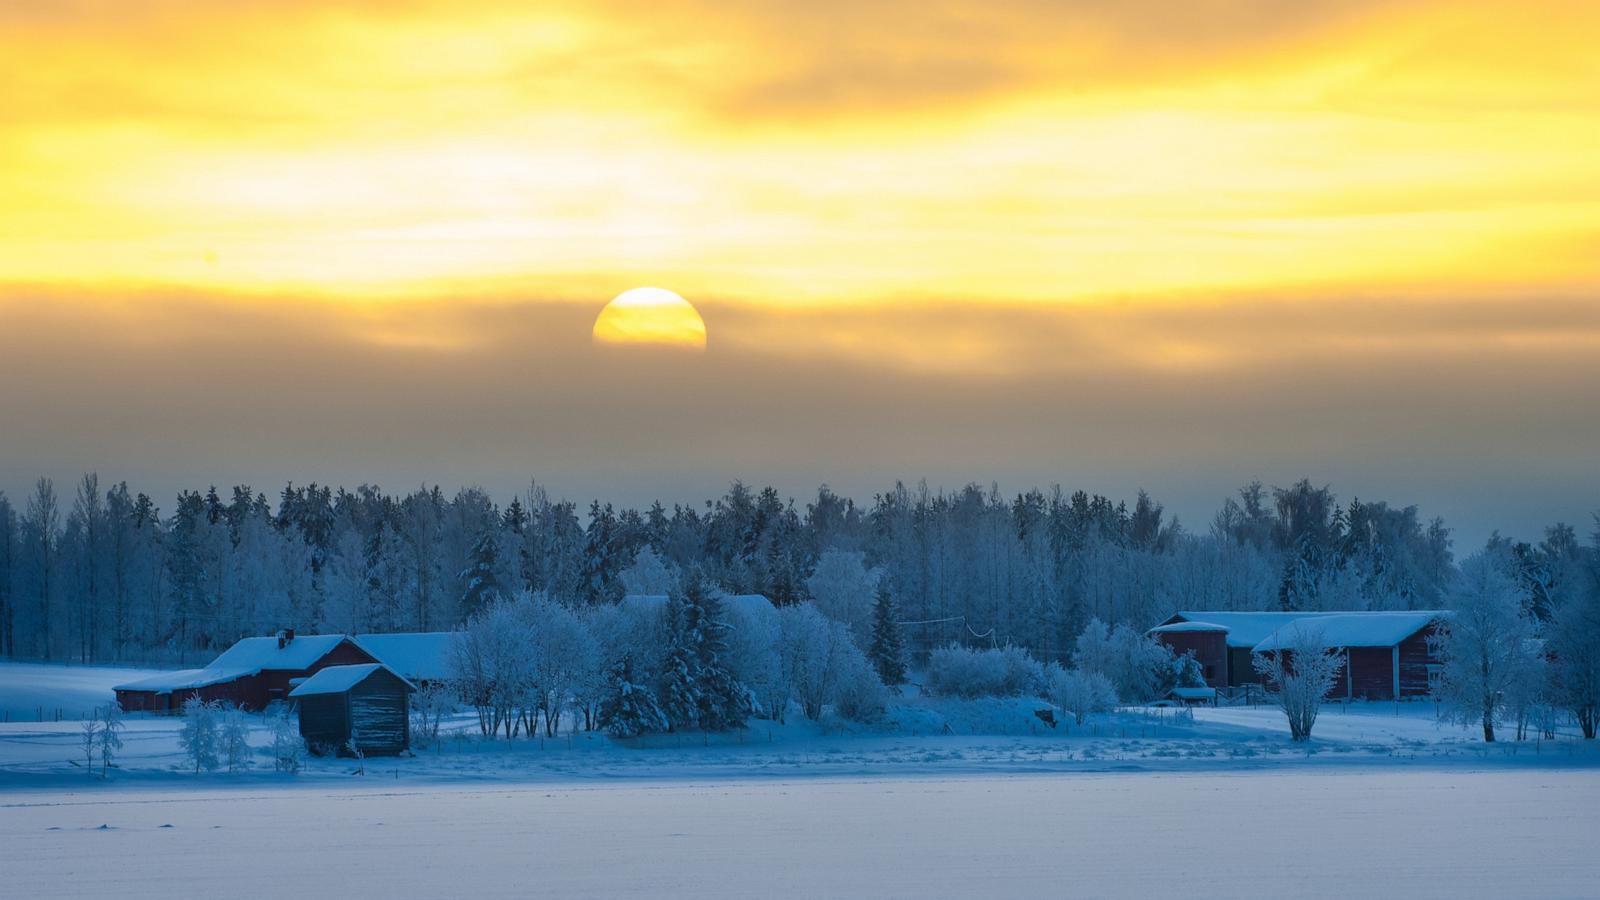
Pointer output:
x,y
1139,666
198,736
1186,672
1301,671
818,663
1080,693
1008,671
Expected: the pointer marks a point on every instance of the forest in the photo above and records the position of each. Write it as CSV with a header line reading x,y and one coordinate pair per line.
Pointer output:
x,y
105,574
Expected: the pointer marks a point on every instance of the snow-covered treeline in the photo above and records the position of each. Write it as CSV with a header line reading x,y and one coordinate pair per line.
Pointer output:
x,y
110,574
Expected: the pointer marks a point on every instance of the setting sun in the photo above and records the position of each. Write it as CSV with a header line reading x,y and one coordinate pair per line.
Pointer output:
x,y
652,316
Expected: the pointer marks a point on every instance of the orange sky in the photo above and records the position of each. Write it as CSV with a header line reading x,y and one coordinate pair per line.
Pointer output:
x,y
1198,190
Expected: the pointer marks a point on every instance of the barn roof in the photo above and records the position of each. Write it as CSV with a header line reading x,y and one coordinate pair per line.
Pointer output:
x,y
256,654
1362,629
416,655
338,679
167,681
1245,629
1178,627
249,656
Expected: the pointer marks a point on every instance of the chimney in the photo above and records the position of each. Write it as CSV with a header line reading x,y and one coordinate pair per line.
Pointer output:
x,y
285,637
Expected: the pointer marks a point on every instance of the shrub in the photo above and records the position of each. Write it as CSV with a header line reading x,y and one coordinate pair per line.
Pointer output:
x,y
1009,671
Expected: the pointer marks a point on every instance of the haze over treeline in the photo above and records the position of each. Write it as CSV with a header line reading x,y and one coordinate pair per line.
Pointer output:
x,y
97,572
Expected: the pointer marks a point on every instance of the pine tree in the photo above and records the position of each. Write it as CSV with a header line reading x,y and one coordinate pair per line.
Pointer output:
x,y
630,708
888,650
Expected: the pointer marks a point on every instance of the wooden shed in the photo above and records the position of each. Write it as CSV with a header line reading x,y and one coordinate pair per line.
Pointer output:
x,y
366,703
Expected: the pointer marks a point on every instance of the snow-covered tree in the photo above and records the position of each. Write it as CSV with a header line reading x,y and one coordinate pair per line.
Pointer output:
x,y
1080,693
234,739
1301,672
429,705
1140,666
480,582
198,736
649,574
288,749
843,588
1488,647
698,689
89,740
110,739
630,708
887,650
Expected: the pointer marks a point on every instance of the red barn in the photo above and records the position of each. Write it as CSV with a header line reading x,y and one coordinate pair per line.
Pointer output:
x,y
1386,653
1208,642
250,674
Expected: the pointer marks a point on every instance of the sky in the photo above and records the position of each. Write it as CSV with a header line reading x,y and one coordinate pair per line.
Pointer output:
x,y
1106,244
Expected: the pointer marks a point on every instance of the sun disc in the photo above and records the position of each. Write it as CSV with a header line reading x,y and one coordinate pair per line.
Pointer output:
x,y
650,316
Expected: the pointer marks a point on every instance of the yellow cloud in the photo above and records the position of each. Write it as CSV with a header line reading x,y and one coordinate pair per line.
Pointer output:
x,y
803,154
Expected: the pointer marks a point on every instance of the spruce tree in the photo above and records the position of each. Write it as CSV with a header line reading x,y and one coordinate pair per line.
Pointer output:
x,y
482,587
722,703
630,708
888,650
680,693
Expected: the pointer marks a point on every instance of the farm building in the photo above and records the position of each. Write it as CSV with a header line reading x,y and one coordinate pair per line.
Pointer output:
x,y
1386,653
250,674
362,704
258,670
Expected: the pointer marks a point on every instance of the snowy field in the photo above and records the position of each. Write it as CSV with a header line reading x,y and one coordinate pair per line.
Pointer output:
x,y
1307,833
34,691
944,798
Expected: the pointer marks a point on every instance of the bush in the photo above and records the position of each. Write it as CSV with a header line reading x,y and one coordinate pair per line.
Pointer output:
x,y
1009,671
1081,693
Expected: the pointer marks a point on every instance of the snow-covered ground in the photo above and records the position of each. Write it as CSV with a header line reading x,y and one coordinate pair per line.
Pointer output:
x,y
31,692
1293,832
942,798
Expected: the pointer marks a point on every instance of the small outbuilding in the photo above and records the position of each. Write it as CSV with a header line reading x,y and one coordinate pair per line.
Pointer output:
x,y
368,704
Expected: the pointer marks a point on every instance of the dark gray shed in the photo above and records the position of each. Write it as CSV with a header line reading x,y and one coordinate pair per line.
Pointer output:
x,y
368,703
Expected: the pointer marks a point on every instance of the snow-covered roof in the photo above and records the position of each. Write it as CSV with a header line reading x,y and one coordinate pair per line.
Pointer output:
x,y
1180,627
1245,629
249,656
338,679
167,681
415,655
255,654
1193,693
1362,629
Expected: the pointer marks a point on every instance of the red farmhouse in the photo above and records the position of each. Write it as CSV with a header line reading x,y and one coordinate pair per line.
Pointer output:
x,y
250,674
